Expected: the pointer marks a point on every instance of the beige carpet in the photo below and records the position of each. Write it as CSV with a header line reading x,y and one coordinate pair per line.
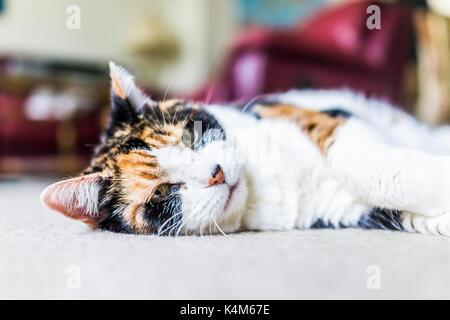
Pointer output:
x,y
44,255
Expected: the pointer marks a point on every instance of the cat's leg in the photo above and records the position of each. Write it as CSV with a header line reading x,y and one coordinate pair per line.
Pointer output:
x,y
410,133
388,176
420,192
372,166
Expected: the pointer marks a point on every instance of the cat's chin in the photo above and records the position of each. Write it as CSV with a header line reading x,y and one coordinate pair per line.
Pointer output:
x,y
230,196
234,207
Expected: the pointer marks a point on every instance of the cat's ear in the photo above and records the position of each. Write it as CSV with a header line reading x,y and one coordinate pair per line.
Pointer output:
x,y
77,198
127,99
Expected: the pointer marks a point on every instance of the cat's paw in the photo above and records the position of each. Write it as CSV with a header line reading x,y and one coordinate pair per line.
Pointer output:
x,y
439,225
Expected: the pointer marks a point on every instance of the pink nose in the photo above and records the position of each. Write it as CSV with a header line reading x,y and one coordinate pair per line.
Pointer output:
x,y
217,176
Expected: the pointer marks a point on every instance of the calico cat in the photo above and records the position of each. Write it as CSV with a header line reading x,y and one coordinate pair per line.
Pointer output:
x,y
301,159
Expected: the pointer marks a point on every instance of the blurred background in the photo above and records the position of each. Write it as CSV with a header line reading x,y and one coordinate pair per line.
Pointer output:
x,y
54,90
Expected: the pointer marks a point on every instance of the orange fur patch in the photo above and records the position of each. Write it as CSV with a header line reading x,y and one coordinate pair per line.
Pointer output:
x,y
173,136
319,126
140,175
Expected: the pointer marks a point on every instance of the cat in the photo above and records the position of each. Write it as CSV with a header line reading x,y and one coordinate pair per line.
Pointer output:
x,y
295,160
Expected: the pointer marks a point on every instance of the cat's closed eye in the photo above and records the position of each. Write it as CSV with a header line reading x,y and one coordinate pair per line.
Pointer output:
x,y
163,190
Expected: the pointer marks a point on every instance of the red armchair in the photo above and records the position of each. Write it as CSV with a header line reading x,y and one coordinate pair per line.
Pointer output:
x,y
333,49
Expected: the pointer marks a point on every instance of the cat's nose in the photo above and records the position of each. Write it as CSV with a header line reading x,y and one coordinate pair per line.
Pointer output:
x,y
217,176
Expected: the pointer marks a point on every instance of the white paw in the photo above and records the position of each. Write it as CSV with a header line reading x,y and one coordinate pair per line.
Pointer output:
x,y
439,225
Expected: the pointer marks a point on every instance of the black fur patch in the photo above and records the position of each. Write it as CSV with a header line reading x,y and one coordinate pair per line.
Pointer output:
x,y
122,112
164,215
208,124
337,113
115,223
133,143
380,218
320,224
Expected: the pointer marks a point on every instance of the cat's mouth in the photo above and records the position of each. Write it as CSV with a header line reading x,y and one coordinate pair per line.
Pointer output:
x,y
230,195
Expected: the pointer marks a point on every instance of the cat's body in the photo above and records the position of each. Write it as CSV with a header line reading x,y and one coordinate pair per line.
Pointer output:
x,y
302,159
298,188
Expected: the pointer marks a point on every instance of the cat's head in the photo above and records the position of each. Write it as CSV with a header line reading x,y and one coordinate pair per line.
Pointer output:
x,y
161,168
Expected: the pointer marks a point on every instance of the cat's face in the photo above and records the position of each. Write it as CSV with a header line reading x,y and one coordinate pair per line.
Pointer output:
x,y
162,168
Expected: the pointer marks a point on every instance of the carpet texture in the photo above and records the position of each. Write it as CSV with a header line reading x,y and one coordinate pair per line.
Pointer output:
x,y
44,255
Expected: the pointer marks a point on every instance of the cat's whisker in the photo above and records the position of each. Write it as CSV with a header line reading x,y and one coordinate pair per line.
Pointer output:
x,y
183,218
203,225
253,100
193,211
164,119
172,206
167,220
210,224
179,229
185,231
201,228
209,95
220,229
157,119
174,116
167,90
159,230
174,227
169,228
